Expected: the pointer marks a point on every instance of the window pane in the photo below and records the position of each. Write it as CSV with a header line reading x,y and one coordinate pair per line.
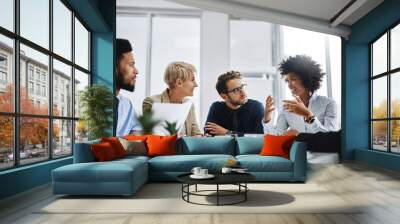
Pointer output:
x,y
304,42
395,136
35,21
6,142
379,135
255,84
395,95
34,72
7,14
81,81
379,98
33,139
138,39
6,74
379,55
62,89
251,49
81,131
395,47
81,45
62,29
174,39
62,141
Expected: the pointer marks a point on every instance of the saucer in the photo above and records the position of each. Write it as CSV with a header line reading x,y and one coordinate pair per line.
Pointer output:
x,y
208,176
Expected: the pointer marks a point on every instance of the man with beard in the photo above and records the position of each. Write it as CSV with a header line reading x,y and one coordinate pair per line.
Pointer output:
x,y
236,115
126,78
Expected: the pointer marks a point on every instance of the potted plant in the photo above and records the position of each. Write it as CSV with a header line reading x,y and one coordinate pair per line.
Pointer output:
x,y
171,127
97,103
147,122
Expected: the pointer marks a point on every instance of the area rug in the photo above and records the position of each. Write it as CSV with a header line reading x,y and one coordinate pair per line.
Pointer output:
x,y
167,198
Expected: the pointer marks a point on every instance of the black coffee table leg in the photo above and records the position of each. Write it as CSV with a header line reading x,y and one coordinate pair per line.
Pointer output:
x,y
245,194
217,194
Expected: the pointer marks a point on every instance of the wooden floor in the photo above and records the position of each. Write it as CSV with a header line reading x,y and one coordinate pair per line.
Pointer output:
x,y
378,188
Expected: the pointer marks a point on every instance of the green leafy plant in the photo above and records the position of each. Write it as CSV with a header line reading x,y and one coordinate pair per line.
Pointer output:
x,y
171,127
97,102
147,122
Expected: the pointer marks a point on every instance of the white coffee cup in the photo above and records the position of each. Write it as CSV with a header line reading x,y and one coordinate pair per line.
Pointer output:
x,y
226,170
203,172
196,170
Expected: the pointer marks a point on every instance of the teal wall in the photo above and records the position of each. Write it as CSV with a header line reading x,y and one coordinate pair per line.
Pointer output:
x,y
24,178
355,123
99,16
103,66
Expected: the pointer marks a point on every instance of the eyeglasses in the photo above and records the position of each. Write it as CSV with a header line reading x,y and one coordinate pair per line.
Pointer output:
x,y
237,89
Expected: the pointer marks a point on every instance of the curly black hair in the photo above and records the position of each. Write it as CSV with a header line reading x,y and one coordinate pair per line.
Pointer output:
x,y
306,69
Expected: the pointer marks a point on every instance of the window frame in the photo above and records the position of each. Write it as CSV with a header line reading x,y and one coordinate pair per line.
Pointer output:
x,y
388,74
149,16
15,72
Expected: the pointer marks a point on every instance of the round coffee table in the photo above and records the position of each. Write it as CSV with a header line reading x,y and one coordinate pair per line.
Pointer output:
x,y
238,179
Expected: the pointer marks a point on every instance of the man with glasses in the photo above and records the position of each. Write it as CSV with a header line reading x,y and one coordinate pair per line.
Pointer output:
x,y
236,115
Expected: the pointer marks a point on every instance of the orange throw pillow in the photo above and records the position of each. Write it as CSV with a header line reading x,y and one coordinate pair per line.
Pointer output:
x,y
136,137
161,145
103,152
116,145
277,145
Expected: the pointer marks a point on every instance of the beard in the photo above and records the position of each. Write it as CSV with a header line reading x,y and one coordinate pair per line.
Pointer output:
x,y
120,82
238,102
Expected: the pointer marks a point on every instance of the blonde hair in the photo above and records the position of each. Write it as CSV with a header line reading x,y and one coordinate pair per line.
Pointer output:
x,y
178,70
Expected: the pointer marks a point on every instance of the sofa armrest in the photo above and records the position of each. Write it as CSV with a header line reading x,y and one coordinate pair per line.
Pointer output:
x,y
83,152
298,155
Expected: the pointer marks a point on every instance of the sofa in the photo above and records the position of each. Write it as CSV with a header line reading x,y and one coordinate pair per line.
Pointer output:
x,y
126,175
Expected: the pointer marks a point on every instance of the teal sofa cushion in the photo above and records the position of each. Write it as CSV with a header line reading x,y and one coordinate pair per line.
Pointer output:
x,y
249,145
257,163
111,171
83,152
206,145
185,163
118,177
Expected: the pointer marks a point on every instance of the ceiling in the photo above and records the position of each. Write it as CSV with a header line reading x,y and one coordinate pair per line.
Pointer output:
x,y
318,9
327,16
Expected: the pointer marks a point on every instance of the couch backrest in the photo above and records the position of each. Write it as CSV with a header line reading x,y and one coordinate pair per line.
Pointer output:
x,y
206,145
190,146
83,153
249,145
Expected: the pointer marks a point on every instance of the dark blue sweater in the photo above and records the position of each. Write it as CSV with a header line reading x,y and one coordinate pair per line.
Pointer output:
x,y
246,119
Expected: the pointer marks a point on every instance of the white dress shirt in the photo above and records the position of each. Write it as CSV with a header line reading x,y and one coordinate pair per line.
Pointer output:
x,y
324,110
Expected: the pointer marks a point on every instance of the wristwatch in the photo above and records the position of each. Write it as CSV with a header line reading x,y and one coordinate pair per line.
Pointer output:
x,y
310,120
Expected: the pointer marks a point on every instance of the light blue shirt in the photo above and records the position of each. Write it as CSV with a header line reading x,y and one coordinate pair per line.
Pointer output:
x,y
127,121
324,110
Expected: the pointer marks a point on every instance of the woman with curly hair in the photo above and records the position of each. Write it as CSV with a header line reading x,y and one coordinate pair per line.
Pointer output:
x,y
308,112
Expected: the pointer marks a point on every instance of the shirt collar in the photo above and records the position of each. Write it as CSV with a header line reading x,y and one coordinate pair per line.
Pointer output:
x,y
313,97
165,97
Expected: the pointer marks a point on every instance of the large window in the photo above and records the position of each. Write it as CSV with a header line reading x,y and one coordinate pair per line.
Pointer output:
x,y
158,40
40,80
385,97
251,51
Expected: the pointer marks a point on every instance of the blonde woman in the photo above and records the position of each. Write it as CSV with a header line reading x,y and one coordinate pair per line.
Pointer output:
x,y
181,81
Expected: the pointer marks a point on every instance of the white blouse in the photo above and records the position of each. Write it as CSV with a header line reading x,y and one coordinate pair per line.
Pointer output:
x,y
324,110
